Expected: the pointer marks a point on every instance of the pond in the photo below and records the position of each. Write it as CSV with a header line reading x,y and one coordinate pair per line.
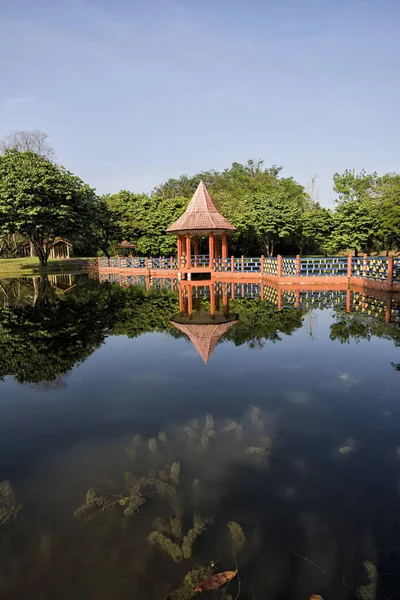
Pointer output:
x,y
154,434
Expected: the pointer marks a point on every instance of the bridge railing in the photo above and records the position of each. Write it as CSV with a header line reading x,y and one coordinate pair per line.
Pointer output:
x,y
375,268
326,267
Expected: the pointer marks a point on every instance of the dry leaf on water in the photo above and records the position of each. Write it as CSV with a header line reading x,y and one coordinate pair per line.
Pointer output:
x,y
216,581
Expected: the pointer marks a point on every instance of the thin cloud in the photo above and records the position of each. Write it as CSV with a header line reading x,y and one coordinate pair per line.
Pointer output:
x,y
12,103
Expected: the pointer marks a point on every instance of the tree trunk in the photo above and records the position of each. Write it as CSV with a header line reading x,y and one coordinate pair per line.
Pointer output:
x,y
42,253
355,252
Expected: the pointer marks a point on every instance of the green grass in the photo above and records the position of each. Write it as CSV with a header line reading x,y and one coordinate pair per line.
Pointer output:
x,y
19,267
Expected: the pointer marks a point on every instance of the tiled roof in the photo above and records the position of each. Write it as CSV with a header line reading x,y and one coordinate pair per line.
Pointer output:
x,y
201,215
204,337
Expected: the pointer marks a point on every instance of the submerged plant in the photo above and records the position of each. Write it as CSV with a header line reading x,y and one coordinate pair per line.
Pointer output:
x,y
209,424
162,436
176,527
192,535
153,445
238,537
190,582
175,472
9,507
368,591
162,525
133,502
95,501
156,537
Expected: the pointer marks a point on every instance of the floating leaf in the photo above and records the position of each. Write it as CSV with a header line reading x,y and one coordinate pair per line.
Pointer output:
x,y
216,581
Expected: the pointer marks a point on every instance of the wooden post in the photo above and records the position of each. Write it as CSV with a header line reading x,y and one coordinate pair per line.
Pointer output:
x,y
67,251
262,263
188,252
211,250
262,291
390,271
224,250
171,263
297,301
196,250
279,266
232,264
279,299
298,264
242,264
365,265
119,262
349,266
232,290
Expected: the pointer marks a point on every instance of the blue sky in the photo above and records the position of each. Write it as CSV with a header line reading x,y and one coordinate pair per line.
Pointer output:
x,y
132,93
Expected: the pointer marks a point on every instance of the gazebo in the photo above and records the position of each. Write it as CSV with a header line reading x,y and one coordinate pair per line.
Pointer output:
x,y
201,218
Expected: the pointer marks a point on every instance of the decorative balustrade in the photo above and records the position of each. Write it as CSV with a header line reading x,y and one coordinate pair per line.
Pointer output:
x,y
379,269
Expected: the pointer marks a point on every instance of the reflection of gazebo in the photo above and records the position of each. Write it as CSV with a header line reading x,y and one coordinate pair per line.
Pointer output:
x,y
201,218
125,245
204,329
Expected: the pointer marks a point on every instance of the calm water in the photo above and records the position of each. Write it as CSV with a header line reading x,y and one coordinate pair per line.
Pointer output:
x,y
284,422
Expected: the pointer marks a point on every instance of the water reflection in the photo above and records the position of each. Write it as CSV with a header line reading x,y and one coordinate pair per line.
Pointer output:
x,y
143,471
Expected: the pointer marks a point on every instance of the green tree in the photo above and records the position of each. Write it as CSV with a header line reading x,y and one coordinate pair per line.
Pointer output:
x,y
388,191
41,200
357,218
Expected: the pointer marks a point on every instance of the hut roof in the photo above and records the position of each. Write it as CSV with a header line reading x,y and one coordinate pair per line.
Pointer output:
x,y
201,216
125,244
204,337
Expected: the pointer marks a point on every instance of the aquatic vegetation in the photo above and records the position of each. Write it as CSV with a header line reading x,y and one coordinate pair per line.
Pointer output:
x,y
134,502
192,535
163,526
238,537
162,436
255,417
175,472
347,450
156,537
192,579
176,527
10,509
256,450
153,445
209,424
368,591
94,501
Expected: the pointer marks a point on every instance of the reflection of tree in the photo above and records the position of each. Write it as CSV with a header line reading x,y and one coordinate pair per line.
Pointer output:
x,y
260,322
359,326
41,340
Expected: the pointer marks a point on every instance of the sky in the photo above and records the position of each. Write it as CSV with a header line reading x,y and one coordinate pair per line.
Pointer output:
x,y
132,92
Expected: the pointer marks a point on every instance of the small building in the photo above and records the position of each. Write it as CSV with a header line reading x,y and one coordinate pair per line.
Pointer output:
x,y
60,249
125,248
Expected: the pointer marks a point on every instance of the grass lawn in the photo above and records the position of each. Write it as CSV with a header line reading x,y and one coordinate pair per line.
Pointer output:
x,y
19,267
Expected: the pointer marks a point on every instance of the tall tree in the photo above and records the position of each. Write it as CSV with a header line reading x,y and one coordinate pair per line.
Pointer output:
x,y
28,141
357,223
41,200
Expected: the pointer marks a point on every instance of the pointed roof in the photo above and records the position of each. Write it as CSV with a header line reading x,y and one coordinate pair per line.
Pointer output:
x,y
201,216
204,337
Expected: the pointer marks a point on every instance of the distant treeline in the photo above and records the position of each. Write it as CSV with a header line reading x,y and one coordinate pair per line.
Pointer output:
x,y
273,214
41,201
